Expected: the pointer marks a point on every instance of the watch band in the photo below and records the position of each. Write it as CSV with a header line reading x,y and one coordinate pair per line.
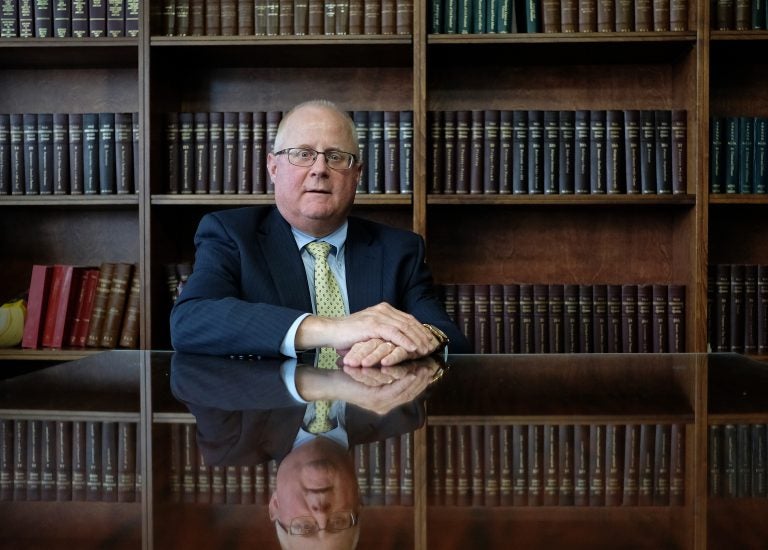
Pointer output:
x,y
440,336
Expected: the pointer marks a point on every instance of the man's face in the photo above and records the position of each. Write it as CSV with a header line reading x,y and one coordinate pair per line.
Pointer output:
x,y
314,199
315,480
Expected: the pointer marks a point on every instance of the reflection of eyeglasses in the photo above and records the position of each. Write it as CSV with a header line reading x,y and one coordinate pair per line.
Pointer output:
x,y
306,526
301,156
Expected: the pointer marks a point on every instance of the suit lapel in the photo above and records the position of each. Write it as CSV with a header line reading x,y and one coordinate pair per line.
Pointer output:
x,y
284,262
363,259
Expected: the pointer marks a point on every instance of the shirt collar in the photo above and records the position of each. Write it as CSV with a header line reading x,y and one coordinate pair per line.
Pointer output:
x,y
335,239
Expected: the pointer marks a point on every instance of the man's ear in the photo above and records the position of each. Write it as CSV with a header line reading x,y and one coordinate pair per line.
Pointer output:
x,y
273,507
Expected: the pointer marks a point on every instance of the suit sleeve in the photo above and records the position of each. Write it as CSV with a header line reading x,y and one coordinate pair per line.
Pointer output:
x,y
211,316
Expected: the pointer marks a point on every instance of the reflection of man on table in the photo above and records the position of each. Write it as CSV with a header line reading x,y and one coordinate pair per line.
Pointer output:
x,y
249,412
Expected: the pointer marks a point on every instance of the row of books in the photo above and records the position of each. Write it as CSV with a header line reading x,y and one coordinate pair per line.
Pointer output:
x,y
558,152
281,17
79,306
226,152
554,16
569,318
557,464
737,298
744,15
69,460
384,472
69,153
69,18
191,479
738,154
737,460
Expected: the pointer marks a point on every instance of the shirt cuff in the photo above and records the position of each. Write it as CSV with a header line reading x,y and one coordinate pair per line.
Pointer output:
x,y
288,345
288,374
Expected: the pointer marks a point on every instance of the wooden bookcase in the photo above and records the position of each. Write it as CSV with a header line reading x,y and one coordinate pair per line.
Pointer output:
x,y
498,238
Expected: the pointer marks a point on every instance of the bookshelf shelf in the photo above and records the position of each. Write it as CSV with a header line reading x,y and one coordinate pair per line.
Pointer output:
x,y
563,200
242,200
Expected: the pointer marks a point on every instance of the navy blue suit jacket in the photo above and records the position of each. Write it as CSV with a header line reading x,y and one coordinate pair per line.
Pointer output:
x,y
249,284
245,415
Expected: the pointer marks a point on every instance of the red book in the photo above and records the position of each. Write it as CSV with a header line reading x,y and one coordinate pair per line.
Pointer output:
x,y
61,304
37,300
79,333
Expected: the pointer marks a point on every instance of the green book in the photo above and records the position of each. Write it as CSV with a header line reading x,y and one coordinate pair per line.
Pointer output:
x,y
504,15
746,154
532,16
716,153
760,170
450,17
464,17
436,17
731,155
479,10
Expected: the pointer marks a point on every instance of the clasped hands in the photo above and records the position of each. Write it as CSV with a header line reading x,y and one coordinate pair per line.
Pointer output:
x,y
378,335
377,389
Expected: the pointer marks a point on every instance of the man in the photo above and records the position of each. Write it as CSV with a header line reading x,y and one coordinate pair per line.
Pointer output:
x,y
246,415
249,292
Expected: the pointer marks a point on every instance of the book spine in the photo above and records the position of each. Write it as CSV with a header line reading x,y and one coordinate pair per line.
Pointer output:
x,y
463,146
663,150
489,157
648,155
551,460
360,119
186,153
97,18
79,479
760,170
581,446
107,171
259,152
93,461
405,151
129,331
449,121
597,462
565,465
229,182
535,152
116,304
132,18
244,152
376,146
679,152
391,152
91,155
124,161
201,152
63,450
520,152
98,312
614,464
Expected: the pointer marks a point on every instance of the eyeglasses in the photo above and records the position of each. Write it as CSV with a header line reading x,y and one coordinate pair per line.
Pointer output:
x,y
306,526
301,156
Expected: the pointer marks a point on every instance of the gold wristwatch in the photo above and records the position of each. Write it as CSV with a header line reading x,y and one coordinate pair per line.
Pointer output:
x,y
442,338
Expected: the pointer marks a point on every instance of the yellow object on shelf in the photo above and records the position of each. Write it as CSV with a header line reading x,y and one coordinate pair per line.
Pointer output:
x,y
12,316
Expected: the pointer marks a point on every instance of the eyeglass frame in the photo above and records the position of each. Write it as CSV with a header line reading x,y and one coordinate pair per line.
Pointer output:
x,y
287,152
352,515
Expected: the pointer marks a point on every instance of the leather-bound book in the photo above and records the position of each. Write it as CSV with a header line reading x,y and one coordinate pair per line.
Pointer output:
x,y
116,303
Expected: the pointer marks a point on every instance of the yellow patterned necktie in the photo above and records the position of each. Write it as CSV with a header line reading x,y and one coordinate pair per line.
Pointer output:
x,y
328,303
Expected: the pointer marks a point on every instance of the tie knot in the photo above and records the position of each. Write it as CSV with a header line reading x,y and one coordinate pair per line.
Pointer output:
x,y
319,249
